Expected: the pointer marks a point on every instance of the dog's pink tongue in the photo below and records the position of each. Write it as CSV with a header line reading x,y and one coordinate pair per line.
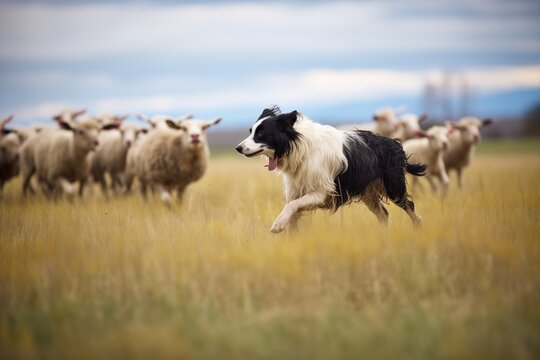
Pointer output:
x,y
272,164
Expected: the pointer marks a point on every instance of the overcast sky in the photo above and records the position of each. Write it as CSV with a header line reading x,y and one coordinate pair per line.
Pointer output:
x,y
335,61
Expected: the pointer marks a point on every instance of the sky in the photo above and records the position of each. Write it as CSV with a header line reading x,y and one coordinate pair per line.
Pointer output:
x,y
334,61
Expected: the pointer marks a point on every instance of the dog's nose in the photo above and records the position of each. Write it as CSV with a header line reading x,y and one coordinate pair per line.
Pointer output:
x,y
239,148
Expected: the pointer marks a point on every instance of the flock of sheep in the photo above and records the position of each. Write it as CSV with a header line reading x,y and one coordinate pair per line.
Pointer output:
x,y
171,153
168,155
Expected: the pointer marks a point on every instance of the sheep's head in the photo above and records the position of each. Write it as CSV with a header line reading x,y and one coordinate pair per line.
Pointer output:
x,y
130,133
193,131
387,122
410,125
469,128
86,132
9,148
437,136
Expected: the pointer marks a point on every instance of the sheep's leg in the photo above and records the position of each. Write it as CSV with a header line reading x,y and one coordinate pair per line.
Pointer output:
x,y
1,190
27,177
375,205
459,177
82,184
143,189
444,180
431,182
180,191
291,210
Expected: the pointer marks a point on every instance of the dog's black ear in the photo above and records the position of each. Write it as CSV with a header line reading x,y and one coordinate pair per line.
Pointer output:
x,y
274,111
289,119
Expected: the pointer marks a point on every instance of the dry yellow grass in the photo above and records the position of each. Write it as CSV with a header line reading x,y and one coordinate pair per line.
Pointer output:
x,y
124,279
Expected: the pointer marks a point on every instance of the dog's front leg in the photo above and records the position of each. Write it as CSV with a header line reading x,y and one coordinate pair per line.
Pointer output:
x,y
291,209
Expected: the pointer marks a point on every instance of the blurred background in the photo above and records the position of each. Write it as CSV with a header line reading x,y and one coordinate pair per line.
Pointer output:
x,y
338,62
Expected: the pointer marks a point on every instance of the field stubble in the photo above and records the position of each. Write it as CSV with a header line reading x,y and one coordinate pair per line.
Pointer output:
x,y
121,278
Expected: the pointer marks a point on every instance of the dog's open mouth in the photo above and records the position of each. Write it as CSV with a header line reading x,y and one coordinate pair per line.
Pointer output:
x,y
272,163
254,153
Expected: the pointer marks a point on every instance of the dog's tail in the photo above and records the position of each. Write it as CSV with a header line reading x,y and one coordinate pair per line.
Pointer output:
x,y
416,169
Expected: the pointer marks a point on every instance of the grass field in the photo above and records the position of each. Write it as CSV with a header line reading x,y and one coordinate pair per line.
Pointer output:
x,y
124,279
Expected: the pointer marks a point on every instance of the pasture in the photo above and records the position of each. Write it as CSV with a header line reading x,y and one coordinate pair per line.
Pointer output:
x,y
121,278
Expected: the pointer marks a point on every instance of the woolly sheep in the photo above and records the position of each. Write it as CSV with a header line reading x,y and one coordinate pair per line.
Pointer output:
x,y
110,156
429,149
409,126
59,157
385,122
463,136
172,158
9,153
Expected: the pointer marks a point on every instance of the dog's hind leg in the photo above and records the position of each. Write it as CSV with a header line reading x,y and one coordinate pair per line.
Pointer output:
x,y
396,189
372,199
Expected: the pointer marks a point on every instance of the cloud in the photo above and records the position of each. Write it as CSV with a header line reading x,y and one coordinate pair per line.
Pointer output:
x,y
62,32
295,89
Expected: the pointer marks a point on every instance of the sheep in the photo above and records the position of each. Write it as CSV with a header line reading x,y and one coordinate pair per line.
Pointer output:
x,y
59,157
168,159
463,136
385,123
9,154
159,121
409,126
429,149
110,156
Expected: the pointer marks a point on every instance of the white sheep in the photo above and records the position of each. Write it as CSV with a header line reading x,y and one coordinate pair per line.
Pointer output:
x,y
464,135
409,126
111,154
159,121
429,149
168,159
60,157
9,153
385,122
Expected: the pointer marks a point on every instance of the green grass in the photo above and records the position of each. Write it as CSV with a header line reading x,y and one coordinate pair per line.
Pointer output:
x,y
123,279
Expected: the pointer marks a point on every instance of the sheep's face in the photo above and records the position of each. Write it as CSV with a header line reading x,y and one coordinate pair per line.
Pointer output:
x,y
9,148
386,121
469,129
86,132
193,131
410,125
438,138
130,133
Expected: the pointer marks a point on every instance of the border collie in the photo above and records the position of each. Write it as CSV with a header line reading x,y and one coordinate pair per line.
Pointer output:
x,y
323,167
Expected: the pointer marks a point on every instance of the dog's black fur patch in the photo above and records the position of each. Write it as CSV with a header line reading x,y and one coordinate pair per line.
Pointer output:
x,y
277,131
373,157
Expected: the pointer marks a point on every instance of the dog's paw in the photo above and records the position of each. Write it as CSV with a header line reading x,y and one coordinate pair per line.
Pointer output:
x,y
280,224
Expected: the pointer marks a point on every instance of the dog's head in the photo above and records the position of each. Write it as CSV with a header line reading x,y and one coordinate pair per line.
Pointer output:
x,y
272,135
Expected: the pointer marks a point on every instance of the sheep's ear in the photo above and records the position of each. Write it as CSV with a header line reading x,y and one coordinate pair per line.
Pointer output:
x,y
375,117
170,123
422,117
212,122
487,122
143,117
421,134
79,112
6,120
111,125
64,124
5,131
185,117
143,130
